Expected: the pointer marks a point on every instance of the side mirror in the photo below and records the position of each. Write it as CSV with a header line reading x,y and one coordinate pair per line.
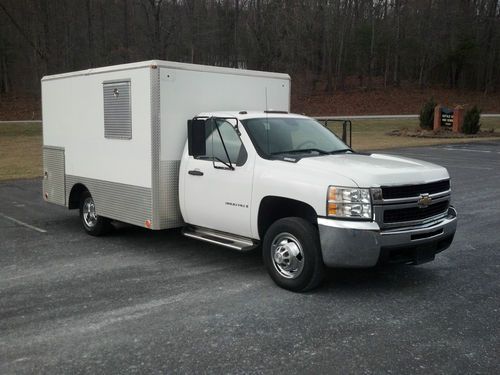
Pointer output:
x,y
347,132
196,137
346,128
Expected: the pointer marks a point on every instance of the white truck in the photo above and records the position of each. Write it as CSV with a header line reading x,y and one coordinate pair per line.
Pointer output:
x,y
163,145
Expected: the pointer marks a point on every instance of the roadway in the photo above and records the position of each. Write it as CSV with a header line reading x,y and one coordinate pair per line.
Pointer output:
x,y
156,302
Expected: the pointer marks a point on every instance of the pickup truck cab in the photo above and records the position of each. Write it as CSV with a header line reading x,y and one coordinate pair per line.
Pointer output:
x,y
287,183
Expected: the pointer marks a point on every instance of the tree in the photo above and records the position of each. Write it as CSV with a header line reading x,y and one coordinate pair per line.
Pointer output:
x,y
426,42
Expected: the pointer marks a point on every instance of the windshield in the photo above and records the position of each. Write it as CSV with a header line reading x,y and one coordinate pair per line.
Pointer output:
x,y
282,136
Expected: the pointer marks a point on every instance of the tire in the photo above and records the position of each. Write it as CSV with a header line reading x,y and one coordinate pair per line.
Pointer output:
x,y
92,223
292,254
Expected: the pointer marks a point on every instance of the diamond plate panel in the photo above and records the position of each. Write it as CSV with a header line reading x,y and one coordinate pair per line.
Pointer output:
x,y
128,203
53,184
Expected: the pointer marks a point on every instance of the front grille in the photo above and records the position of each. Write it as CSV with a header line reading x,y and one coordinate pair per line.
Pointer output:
x,y
415,213
410,191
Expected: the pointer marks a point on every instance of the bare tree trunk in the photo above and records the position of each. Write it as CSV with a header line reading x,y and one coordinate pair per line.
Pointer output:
x,y
372,46
492,52
45,31
425,26
126,37
397,15
39,32
90,40
194,30
152,10
104,53
24,34
421,72
235,37
67,37
4,72
157,26
327,55
342,36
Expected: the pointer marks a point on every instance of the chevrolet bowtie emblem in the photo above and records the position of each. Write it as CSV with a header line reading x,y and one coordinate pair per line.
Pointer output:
x,y
424,201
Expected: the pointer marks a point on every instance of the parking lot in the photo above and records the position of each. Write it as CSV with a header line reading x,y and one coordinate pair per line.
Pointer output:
x,y
140,301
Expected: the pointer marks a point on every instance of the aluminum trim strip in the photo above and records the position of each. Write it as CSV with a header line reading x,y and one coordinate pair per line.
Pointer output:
x,y
170,65
155,146
410,204
411,199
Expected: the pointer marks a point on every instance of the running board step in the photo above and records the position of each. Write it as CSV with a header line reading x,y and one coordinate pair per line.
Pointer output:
x,y
220,238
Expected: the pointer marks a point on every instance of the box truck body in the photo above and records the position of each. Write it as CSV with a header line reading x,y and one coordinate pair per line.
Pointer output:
x,y
120,131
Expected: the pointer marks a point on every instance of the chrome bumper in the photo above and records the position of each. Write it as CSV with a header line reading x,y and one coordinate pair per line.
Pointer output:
x,y
361,244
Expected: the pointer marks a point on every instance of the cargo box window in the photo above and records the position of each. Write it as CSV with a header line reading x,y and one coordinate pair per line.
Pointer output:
x,y
117,110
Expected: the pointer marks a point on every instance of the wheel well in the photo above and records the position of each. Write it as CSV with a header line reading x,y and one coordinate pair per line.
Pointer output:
x,y
74,197
274,208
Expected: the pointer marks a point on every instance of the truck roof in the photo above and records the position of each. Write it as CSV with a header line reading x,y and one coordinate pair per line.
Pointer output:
x,y
169,64
244,115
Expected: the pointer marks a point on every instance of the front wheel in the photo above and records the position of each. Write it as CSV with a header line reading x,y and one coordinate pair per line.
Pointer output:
x,y
292,254
93,224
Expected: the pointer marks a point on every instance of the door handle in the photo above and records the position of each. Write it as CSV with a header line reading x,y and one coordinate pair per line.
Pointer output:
x,y
194,172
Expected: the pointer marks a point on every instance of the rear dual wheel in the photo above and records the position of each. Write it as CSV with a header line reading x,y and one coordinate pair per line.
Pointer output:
x,y
93,224
292,254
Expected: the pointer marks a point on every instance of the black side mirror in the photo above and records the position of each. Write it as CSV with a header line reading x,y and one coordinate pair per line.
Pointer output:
x,y
347,132
196,137
346,128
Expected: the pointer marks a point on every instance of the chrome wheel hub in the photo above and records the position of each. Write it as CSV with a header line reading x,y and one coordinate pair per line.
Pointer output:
x,y
288,256
89,215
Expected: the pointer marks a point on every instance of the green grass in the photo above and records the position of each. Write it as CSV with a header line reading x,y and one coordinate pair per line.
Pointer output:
x,y
17,129
21,143
490,123
372,134
20,150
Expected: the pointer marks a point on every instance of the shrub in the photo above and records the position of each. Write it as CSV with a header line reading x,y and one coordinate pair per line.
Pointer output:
x,y
471,123
427,114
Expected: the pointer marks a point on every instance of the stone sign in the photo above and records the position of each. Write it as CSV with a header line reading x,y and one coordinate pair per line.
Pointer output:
x,y
448,119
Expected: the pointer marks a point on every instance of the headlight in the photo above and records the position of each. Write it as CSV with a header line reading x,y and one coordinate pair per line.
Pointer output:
x,y
349,202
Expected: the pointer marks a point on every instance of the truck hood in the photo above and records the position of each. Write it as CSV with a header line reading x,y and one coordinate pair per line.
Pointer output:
x,y
376,169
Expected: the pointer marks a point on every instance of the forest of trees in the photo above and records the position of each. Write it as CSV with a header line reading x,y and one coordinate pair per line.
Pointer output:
x,y
451,43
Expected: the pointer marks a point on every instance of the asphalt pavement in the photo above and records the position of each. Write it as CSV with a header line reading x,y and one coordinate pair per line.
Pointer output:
x,y
138,301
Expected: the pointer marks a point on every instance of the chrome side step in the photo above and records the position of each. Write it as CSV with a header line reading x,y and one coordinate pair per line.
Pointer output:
x,y
220,238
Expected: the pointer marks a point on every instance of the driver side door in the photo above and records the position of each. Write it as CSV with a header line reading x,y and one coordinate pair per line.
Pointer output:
x,y
217,188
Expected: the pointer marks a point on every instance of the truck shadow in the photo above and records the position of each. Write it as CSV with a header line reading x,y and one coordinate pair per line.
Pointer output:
x,y
395,277
171,245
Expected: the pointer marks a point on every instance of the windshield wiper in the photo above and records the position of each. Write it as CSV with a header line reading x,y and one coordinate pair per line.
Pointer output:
x,y
322,152
340,151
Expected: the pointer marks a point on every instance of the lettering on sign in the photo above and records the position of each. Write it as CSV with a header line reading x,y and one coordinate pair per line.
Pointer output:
x,y
446,118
